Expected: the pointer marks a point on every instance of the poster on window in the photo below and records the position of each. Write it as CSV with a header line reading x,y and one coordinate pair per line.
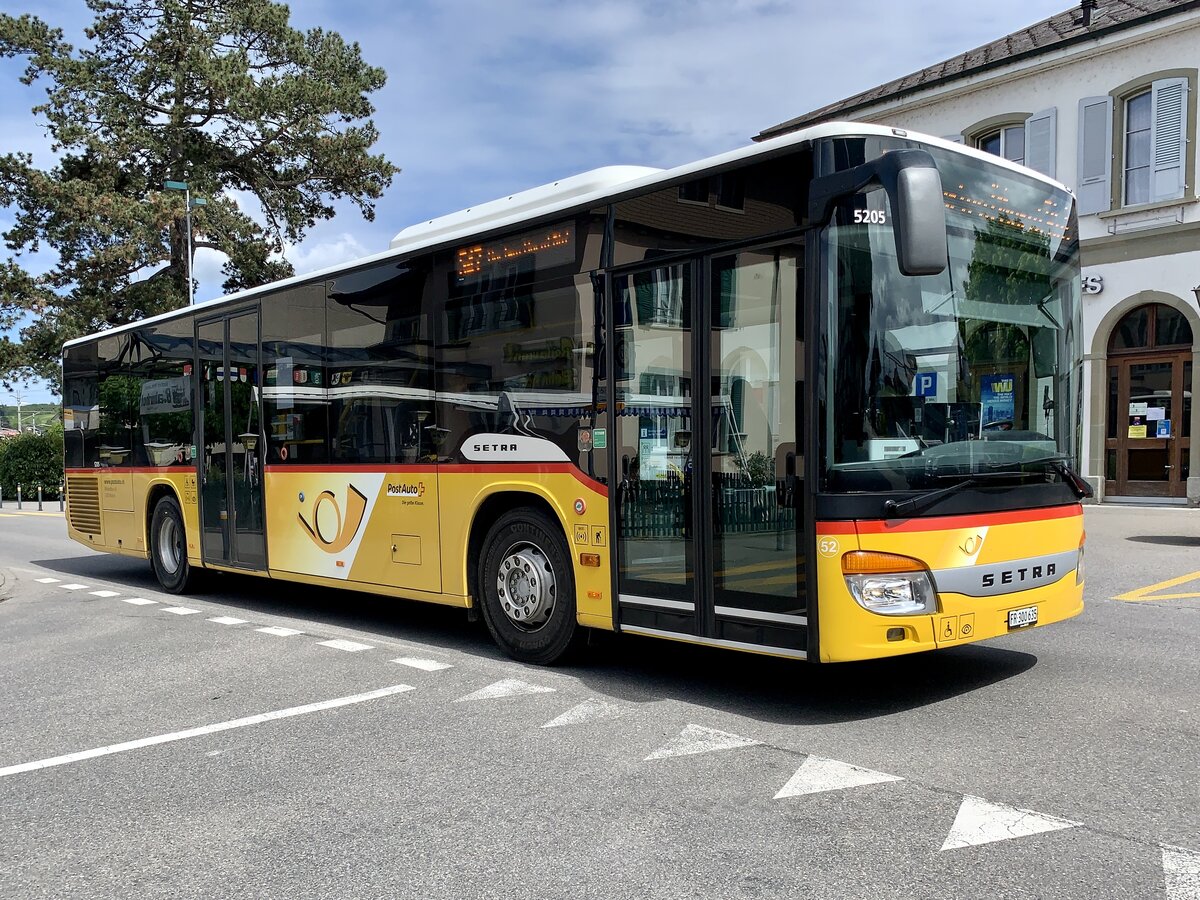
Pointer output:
x,y
998,400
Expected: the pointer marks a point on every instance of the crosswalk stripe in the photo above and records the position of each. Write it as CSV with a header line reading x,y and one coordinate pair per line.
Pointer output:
x,y
180,610
73,587
279,631
104,593
227,620
47,580
1181,873
348,646
425,665
138,601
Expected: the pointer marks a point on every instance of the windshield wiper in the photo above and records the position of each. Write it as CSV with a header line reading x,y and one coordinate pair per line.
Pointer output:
x,y
893,509
1056,463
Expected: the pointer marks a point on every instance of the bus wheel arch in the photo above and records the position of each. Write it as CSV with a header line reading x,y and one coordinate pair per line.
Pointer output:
x,y
523,579
166,541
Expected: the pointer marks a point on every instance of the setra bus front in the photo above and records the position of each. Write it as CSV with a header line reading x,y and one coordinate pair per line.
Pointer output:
x,y
948,399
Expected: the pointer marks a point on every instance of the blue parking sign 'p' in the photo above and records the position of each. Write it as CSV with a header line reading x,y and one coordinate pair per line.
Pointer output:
x,y
926,384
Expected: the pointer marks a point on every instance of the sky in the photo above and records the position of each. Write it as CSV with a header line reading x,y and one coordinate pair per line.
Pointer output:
x,y
487,98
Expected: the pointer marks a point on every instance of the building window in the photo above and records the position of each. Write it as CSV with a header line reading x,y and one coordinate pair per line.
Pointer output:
x,y
1133,143
1137,149
1008,142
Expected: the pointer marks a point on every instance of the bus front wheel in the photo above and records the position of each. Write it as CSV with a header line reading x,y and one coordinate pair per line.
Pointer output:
x,y
527,588
168,548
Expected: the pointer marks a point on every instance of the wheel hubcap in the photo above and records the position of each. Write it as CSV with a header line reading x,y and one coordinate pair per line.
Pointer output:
x,y
526,586
169,547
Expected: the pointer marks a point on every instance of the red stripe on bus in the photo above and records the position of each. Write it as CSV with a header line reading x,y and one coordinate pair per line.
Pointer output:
x,y
947,523
836,528
176,468
448,468
529,468
382,468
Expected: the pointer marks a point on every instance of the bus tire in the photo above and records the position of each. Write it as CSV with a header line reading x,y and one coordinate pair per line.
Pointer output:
x,y
168,548
527,588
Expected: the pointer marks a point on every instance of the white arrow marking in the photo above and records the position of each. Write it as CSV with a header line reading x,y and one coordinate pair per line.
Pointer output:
x,y
588,711
1181,869
508,687
695,739
818,774
981,821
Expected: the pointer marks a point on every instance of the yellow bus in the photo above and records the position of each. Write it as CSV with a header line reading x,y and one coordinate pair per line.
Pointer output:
x,y
816,398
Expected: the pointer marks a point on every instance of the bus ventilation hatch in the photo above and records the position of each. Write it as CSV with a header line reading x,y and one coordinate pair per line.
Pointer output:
x,y
83,503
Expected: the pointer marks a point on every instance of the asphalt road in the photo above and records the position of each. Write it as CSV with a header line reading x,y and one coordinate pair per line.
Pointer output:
x,y
146,752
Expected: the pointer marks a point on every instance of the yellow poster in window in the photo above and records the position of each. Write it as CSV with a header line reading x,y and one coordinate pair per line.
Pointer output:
x,y
1137,431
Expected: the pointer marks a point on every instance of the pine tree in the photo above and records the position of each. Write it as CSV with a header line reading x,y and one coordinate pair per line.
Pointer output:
x,y
222,94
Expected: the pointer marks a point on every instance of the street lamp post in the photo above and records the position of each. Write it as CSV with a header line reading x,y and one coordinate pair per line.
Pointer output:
x,y
187,215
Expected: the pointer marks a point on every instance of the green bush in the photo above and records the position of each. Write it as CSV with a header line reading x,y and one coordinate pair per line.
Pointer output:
x,y
29,460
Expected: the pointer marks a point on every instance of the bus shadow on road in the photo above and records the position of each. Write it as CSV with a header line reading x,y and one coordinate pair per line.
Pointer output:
x,y
632,670
622,668
1166,540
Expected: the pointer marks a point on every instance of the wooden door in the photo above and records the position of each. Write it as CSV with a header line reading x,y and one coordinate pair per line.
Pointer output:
x,y
1147,450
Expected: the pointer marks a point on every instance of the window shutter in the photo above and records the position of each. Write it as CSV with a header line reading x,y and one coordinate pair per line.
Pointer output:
x,y
1041,144
1094,179
1168,138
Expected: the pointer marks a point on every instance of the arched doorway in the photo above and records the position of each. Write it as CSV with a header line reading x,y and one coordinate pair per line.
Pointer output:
x,y
1148,429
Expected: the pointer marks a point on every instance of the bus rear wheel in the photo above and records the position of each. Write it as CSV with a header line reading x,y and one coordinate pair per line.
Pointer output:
x,y
527,588
168,548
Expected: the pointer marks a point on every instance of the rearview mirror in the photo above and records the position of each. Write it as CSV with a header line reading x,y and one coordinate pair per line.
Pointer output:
x,y
914,189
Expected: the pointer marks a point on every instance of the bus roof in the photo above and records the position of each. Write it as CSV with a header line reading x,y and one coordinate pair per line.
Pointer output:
x,y
576,192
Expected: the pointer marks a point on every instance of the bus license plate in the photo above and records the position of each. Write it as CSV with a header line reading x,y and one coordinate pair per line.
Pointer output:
x,y
1023,617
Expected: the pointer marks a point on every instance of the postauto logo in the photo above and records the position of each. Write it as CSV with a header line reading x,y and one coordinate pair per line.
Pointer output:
x,y
330,529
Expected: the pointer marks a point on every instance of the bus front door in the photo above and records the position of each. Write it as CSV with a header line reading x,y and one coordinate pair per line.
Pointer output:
x,y
707,373
231,442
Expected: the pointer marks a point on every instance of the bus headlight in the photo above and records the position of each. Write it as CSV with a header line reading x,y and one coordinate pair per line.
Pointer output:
x,y
888,584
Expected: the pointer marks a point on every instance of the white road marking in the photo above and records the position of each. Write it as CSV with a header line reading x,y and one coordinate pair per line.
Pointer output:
x,y
180,610
981,821
279,631
348,646
227,620
508,687
138,601
697,739
818,774
47,580
1181,871
203,729
425,665
105,593
74,587
589,710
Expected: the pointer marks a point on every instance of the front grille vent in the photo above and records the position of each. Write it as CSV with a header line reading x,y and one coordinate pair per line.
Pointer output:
x,y
83,503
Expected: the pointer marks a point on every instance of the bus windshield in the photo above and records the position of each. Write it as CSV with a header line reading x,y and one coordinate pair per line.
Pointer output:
x,y
971,372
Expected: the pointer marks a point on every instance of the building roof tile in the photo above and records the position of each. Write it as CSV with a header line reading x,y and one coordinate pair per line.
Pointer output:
x,y
1059,30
